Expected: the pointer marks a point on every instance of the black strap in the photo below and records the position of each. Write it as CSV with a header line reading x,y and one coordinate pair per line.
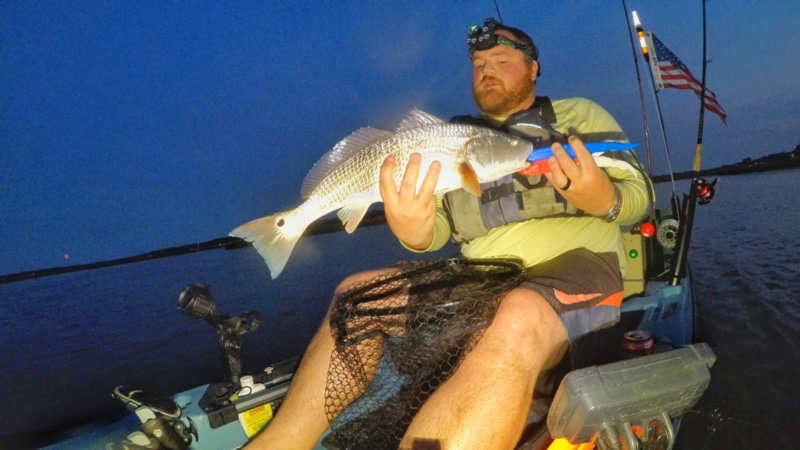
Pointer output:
x,y
496,192
543,103
548,113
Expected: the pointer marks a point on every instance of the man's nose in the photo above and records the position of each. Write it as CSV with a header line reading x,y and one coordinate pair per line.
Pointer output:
x,y
488,68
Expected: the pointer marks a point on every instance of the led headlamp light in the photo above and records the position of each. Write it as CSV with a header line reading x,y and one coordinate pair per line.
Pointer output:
x,y
484,38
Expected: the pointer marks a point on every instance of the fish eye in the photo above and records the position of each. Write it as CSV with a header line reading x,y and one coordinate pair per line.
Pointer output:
x,y
513,142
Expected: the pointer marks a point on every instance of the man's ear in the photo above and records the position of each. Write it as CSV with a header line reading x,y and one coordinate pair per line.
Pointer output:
x,y
534,70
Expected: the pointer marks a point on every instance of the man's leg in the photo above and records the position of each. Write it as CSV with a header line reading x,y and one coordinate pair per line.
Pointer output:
x,y
485,403
301,420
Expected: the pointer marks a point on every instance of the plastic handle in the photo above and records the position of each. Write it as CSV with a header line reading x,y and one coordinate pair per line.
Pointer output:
x,y
542,153
538,157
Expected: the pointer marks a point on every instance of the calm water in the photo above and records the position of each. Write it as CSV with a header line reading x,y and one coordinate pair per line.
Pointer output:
x,y
746,262
67,341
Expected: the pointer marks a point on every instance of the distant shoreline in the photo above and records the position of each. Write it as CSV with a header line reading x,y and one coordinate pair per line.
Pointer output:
x,y
777,161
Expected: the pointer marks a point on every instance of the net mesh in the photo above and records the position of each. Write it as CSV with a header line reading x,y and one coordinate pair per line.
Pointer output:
x,y
398,337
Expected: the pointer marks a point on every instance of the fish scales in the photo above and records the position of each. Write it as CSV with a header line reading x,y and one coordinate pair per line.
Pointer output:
x,y
347,178
442,143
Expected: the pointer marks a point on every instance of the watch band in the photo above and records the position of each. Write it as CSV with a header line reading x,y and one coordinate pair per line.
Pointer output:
x,y
613,213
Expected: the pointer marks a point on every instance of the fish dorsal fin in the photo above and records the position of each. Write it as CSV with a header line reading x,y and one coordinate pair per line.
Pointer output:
x,y
417,118
340,152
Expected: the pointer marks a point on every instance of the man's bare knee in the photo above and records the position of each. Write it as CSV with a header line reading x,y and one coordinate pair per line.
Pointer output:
x,y
525,324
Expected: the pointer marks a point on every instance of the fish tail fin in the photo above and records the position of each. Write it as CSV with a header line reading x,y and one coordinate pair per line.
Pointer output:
x,y
274,237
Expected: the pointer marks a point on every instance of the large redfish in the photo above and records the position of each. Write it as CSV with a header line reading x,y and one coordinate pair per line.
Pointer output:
x,y
347,177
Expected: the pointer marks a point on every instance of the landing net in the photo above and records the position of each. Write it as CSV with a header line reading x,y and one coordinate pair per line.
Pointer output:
x,y
401,335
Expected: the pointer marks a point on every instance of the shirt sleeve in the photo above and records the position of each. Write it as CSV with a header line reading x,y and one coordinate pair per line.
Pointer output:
x,y
441,230
637,197
592,123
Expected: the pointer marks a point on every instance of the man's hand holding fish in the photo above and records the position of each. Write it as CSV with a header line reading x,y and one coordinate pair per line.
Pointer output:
x,y
581,183
410,214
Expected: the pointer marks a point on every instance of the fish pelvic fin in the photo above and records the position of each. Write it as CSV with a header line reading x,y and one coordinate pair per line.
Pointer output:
x,y
351,216
274,237
469,179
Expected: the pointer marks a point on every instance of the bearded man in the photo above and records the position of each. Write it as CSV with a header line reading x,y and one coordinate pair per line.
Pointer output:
x,y
564,226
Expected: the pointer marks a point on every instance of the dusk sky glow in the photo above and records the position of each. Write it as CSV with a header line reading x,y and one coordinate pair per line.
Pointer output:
x,y
132,126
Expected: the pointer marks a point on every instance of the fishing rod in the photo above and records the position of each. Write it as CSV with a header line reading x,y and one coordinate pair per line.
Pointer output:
x,y
700,191
497,8
653,254
652,65
226,243
641,92
653,89
698,153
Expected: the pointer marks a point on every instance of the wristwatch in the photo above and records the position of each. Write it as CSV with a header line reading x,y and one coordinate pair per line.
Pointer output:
x,y
613,213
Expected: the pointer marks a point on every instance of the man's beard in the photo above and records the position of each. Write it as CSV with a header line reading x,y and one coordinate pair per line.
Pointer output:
x,y
499,100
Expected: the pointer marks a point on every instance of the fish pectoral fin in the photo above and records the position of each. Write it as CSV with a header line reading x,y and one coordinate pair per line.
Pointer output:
x,y
351,216
469,179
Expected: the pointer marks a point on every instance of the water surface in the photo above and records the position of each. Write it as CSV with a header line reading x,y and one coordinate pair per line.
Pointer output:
x,y
66,341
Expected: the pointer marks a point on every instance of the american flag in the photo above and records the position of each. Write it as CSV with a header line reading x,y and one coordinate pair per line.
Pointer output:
x,y
675,74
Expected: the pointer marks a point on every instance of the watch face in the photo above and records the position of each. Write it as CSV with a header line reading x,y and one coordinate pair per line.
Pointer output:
x,y
611,215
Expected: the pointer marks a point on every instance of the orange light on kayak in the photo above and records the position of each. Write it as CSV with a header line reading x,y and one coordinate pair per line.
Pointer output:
x,y
563,444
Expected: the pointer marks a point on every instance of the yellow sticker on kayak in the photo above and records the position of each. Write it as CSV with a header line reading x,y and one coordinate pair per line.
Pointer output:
x,y
255,419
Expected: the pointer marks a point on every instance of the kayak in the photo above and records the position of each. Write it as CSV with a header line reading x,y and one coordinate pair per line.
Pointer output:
x,y
630,383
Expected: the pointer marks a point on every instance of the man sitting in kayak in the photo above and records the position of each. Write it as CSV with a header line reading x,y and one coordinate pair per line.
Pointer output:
x,y
564,227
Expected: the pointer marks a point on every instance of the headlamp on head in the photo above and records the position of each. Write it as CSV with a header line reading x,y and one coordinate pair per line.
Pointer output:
x,y
484,38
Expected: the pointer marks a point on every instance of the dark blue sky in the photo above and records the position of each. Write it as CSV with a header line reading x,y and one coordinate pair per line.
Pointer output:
x,y
132,126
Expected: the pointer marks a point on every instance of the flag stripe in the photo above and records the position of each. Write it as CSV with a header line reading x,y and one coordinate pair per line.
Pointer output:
x,y
675,74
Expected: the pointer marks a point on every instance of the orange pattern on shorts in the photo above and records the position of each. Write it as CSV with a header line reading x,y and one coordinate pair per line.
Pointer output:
x,y
569,299
614,299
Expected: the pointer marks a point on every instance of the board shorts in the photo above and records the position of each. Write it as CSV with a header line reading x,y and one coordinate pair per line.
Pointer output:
x,y
583,288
